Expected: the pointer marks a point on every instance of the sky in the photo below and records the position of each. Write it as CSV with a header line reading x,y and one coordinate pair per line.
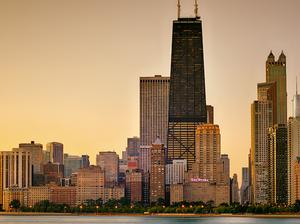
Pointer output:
x,y
69,70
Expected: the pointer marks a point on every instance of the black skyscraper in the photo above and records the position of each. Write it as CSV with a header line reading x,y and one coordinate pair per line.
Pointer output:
x,y
187,103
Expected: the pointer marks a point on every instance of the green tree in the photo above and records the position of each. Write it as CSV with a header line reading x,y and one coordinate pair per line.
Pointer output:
x,y
15,204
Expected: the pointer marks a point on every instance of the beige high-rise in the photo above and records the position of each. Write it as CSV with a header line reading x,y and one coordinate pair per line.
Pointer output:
x,y
208,150
154,102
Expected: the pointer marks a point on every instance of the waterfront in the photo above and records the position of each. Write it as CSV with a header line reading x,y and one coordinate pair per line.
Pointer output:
x,y
142,219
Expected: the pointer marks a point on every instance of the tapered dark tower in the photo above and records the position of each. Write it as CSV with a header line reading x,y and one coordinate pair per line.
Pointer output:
x,y
187,103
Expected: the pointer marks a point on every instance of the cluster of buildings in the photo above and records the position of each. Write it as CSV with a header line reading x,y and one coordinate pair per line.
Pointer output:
x,y
176,158
272,176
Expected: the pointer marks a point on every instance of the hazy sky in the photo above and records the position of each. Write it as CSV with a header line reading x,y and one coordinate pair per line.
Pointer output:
x,y
69,69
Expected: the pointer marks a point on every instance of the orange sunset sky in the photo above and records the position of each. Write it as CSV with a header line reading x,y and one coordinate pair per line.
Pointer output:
x,y
69,70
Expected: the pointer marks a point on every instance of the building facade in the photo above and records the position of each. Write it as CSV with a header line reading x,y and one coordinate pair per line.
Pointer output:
x,y
157,175
187,100
154,102
90,184
276,72
56,151
278,148
261,121
36,155
109,162
72,164
134,179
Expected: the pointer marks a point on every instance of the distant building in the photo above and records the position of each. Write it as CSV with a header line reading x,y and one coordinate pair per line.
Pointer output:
x,y
37,194
187,97
53,172
72,164
115,192
234,188
133,147
134,179
85,162
109,162
176,193
276,72
63,195
208,180
154,102
293,154
210,114
36,155
16,169
278,149
175,172
244,192
261,121
90,184
14,193
296,181
157,175
56,150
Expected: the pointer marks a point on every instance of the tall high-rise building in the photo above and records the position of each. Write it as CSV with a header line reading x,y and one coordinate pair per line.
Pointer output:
x,y
157,175
36,155
109,162
296,181
235,197
266,92
293,145
245,196
278,148
154,102
187,100
208,150
296,103
276,72
90,184
56,150
261,121
293,153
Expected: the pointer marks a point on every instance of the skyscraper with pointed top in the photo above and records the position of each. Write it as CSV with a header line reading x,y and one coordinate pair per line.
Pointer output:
x,y
276,72
187,100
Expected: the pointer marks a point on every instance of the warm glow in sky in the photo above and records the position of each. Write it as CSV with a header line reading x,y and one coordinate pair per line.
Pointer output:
x,y
69,70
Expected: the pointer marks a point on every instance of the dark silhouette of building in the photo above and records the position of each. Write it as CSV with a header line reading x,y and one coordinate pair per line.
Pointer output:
x,y
187,100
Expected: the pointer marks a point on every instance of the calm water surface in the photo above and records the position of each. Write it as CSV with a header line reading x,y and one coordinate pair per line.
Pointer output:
x,y
143,220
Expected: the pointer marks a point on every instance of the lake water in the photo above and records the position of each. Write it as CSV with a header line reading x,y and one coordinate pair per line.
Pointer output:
x,y
134,220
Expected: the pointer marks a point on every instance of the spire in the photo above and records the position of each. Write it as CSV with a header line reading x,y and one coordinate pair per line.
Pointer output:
x,y
196,9
179,8
296,86
282,57
271,57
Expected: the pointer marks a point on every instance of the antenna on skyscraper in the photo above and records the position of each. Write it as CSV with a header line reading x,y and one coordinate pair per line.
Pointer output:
x,y
296,85
179,8
196,9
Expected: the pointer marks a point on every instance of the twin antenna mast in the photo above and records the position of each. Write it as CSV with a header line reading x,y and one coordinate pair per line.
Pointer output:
x,y
195,11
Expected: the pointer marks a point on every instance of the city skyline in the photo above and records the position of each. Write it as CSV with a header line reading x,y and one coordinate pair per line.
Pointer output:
x,y
73,92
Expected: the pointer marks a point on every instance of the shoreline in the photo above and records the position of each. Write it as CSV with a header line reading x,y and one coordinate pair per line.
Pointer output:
x,y
184,215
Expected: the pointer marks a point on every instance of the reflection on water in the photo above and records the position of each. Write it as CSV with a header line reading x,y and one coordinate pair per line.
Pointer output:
x,y
133,220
